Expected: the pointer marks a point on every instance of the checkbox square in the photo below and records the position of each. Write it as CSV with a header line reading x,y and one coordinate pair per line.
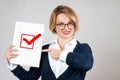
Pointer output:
x,y
23,44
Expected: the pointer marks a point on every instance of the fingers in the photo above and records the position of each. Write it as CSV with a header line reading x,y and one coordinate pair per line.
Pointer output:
x,y
11,46
11,53
46,50
13,50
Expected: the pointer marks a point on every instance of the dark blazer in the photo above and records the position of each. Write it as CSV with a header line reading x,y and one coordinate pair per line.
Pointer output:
x,y
79,61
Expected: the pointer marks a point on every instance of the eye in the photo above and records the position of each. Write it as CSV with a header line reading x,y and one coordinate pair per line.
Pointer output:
x,y
71,23
60,24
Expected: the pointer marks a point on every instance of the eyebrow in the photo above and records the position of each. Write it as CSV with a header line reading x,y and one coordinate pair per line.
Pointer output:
x,y
63,22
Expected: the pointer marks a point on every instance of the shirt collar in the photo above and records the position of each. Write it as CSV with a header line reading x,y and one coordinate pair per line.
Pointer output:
x,y
72,42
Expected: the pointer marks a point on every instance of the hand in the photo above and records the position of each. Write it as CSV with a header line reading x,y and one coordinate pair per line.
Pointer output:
x,y
10,54
55,53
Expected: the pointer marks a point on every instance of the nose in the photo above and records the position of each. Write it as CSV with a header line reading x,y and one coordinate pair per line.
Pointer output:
x,y
66,26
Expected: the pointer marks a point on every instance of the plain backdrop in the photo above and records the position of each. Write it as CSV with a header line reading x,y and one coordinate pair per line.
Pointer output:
x,y
99,27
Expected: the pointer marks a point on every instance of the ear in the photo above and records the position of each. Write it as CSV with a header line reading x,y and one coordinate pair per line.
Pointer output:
x,y
55,29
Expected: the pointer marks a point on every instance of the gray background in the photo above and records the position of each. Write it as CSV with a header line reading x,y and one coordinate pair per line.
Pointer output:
x,y
99,27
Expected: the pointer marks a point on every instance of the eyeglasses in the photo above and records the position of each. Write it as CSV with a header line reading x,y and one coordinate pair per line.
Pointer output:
x,y
63,25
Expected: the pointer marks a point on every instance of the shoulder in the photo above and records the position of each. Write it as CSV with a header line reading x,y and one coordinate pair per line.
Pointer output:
x,y
83,46
45,46
44,54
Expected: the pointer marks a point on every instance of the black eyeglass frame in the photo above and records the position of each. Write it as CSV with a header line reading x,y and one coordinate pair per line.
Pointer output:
x,y
62,26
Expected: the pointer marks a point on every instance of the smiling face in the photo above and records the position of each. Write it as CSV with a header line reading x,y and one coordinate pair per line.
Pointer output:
x,y
62,20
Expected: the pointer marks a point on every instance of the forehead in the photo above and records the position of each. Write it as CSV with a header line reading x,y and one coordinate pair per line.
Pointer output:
x,y
62,18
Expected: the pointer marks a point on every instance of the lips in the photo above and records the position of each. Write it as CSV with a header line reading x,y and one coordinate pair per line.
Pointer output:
x,y
66,32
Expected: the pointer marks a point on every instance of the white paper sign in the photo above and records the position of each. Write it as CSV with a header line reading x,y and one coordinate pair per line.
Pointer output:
x,y
28,40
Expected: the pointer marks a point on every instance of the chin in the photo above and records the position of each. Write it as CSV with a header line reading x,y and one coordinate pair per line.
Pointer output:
x,y
66,36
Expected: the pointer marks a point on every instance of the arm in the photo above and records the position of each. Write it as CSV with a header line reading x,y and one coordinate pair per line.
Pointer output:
x,y
81,58
22,74
32,74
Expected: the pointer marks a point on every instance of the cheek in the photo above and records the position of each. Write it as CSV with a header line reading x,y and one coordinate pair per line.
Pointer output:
x,y
73,31
57,30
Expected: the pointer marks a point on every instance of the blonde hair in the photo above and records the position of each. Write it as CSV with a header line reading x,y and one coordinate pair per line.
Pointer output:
x,y
66,10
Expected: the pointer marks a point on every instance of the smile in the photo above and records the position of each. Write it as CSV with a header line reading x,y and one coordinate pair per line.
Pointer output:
x,y
66,32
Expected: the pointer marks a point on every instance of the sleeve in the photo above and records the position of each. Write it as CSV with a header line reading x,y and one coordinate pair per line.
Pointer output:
x,y
82,58
12,66
33,73
22,74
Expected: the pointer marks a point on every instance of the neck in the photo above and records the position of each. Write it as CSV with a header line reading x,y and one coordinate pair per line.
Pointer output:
x,y
63,41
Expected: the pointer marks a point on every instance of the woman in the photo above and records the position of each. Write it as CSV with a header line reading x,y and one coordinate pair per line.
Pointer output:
x,y
64,58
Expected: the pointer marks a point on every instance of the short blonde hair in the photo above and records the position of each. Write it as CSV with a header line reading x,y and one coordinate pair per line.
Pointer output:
x,y
66,10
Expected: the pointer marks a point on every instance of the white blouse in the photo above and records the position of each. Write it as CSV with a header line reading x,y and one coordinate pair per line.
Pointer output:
x,y
60,65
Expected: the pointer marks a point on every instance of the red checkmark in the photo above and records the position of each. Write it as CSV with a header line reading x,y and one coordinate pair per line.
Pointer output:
x,y
32,40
